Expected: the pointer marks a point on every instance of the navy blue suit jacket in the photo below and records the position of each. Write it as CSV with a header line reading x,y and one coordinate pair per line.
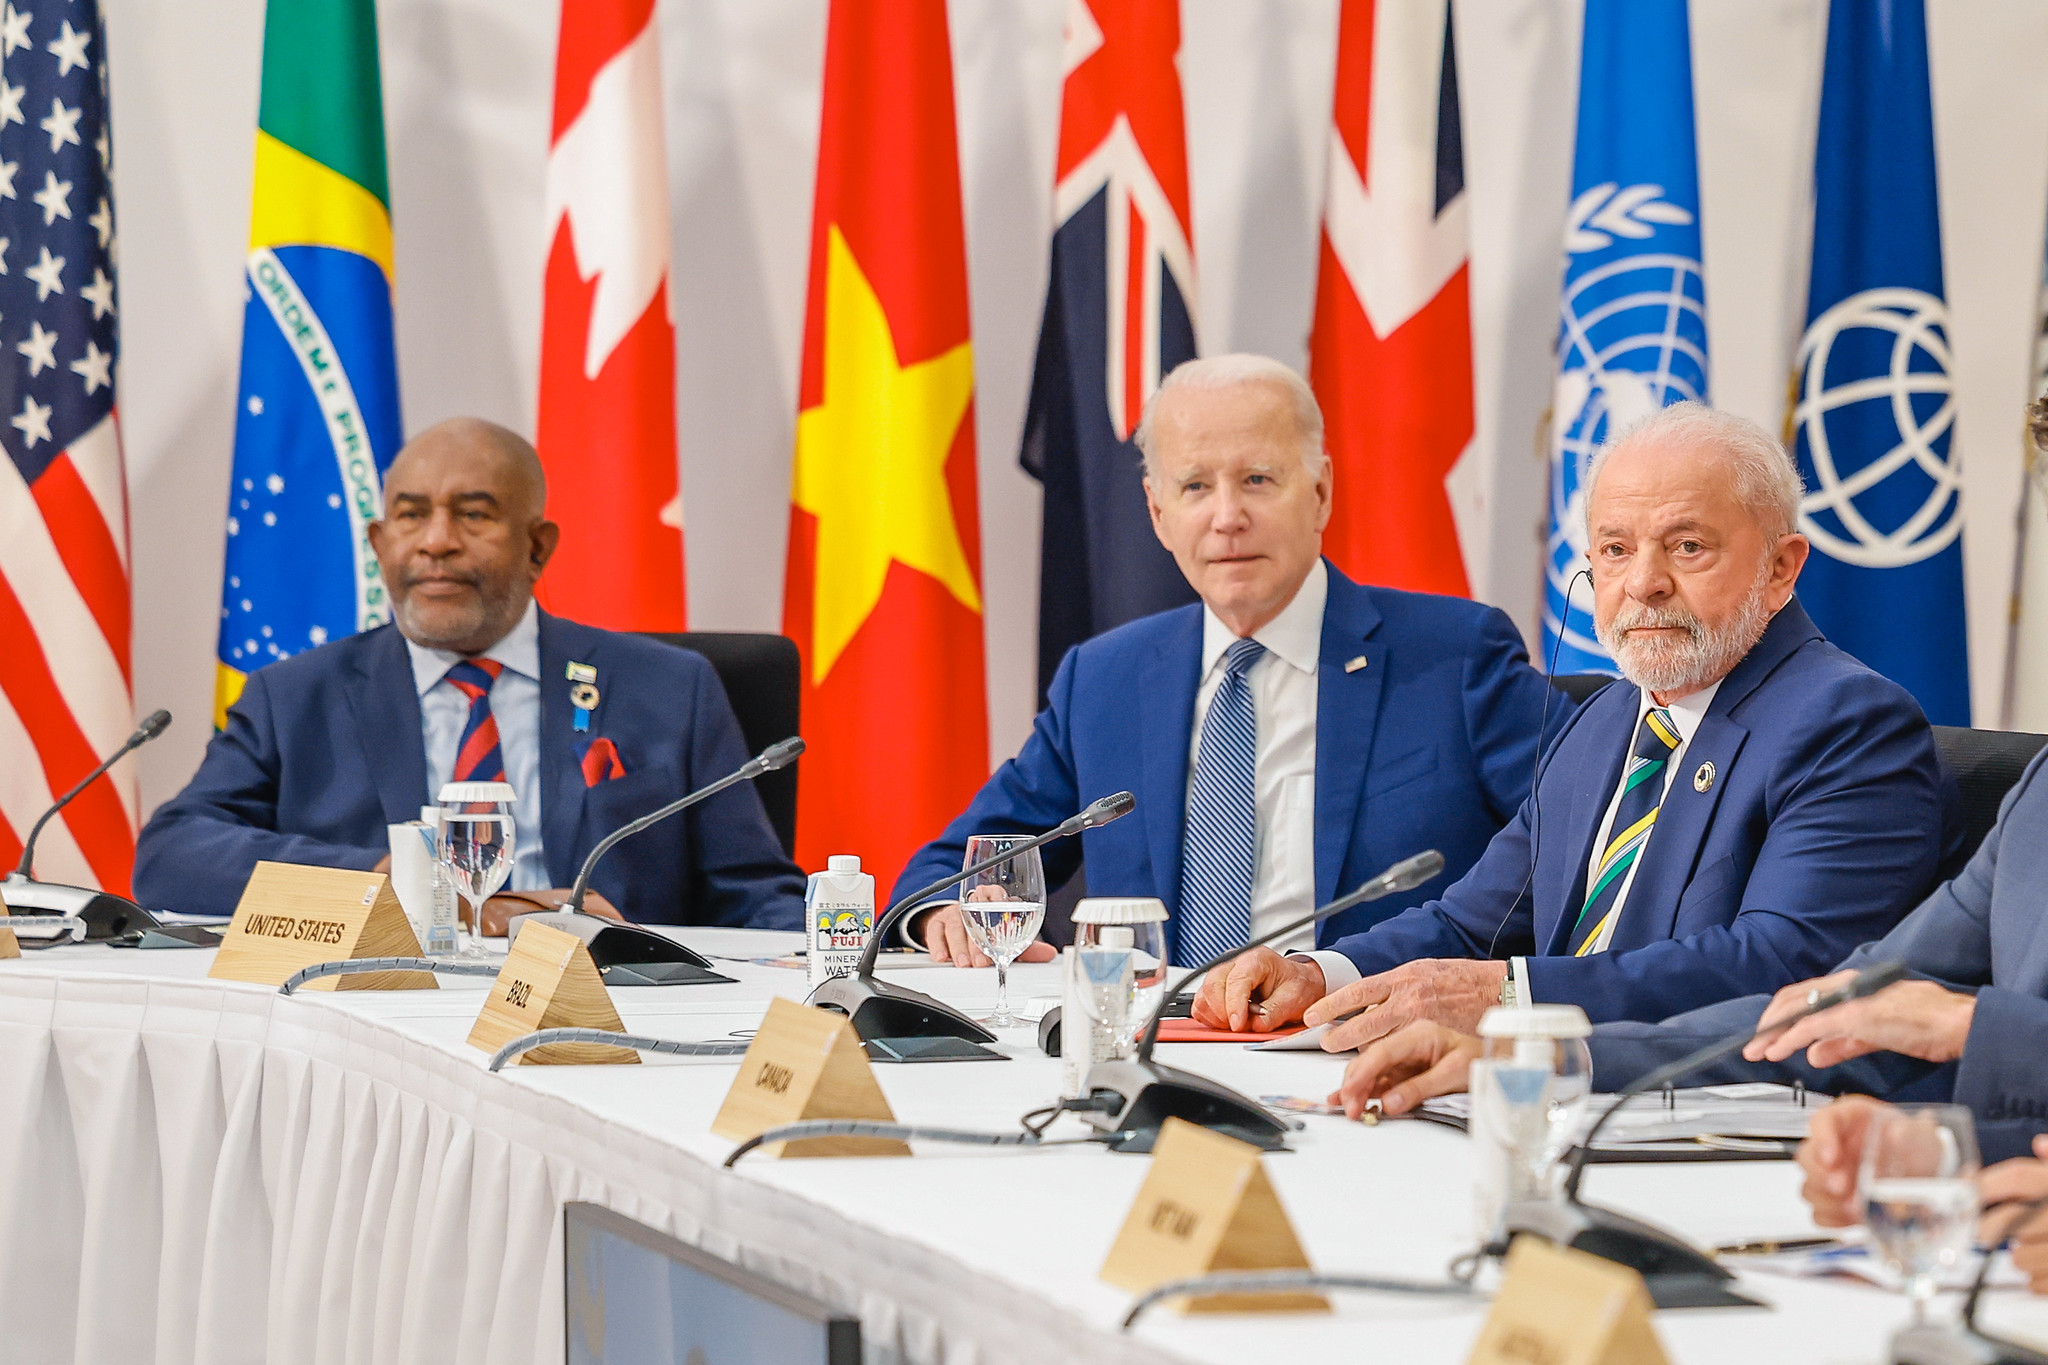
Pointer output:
x,y
1828,818
324,749
1430,744
1985,932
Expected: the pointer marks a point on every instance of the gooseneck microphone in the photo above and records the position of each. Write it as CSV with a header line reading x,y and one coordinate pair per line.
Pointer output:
x,y
1934,1343
106,915
778,755
881,1009
1132,1099
1677,1273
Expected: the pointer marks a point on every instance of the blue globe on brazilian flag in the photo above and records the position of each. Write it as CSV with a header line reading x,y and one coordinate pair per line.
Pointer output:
x,y
318,421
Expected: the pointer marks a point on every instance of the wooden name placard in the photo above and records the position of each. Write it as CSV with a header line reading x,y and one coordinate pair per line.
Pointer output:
x,y
1207,1206
9,945
549,981
292,916
806,1063
1558,1306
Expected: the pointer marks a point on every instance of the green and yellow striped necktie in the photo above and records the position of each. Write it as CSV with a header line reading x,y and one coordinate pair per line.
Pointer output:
x,y
1642,793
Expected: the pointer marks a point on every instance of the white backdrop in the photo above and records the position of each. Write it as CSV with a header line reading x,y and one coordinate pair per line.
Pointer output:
x,y
467,86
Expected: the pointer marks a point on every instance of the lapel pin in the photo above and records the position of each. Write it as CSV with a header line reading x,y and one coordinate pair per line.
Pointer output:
x,y
1355,664
1703,777
582,694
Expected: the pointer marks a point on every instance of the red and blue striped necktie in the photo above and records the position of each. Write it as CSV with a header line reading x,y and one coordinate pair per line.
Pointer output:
x,y
478,757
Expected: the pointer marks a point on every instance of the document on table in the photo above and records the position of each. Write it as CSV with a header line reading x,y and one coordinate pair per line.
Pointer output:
x,y
1754,1116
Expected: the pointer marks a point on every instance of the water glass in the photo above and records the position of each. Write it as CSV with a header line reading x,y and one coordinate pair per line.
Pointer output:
x,y
1918,1182
475,849
1003,907
1530,1089
1123,975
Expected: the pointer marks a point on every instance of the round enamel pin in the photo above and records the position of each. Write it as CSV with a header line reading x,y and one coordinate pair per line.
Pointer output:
x,y
583,696
1703,777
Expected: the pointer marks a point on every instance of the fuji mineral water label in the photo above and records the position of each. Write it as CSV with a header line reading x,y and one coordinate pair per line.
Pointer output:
x,y
839,914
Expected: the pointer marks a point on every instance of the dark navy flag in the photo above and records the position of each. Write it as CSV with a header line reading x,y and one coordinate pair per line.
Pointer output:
x,y
1119,315
1874,410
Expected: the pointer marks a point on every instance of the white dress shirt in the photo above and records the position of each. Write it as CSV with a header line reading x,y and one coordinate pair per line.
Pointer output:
x,y
1284,687
515,703
1686,714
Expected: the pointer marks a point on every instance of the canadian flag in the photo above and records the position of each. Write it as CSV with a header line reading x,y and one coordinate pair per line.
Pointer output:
x,y
607,423
1391,354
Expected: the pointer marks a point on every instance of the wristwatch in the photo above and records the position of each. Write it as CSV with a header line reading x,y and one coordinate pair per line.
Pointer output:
x,y
1508,996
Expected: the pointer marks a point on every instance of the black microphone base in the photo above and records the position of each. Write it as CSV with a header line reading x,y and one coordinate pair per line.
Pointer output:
x,y
880,1009
105,914
1954,1344
1137,1099
628,947
1677,1274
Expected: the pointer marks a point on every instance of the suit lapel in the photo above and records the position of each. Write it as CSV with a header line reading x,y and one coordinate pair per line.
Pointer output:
x,y
1673,853
1347,712
561,772
385,704
1168,731
1610,734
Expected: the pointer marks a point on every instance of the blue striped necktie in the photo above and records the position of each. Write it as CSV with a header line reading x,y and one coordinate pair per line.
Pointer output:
x,y
1642,794
1220,847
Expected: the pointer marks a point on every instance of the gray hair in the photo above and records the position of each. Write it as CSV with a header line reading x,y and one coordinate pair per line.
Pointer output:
x,y
1766,480
1229,371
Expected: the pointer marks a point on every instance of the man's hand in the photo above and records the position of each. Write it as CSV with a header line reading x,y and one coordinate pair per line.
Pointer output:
x,y
1829,1156
1410,1065
946,939
1444,991
1258,992
2017,1183
499,909
1914,1018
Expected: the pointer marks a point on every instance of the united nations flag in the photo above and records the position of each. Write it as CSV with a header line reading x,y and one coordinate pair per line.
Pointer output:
x,y
1873,413
318,420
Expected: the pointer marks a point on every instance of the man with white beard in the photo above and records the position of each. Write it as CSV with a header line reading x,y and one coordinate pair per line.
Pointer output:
x,y
1741,811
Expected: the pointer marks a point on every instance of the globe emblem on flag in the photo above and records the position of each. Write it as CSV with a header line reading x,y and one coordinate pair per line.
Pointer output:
x,y
1875,421
1632,340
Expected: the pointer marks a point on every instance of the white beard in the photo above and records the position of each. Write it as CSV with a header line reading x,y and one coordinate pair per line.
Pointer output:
x,y
1703,657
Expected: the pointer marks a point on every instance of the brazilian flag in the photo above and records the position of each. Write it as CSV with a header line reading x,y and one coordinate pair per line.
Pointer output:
x,y
317,423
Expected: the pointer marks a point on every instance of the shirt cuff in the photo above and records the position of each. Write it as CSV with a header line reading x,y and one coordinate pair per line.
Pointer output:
x,y
1518,972
1339,971
907,927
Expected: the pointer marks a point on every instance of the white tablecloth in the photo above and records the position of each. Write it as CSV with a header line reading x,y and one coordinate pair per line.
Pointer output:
x,y
200,1171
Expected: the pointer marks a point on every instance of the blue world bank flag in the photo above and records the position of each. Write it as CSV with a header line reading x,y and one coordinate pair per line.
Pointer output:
x,y
1874,410
1633,327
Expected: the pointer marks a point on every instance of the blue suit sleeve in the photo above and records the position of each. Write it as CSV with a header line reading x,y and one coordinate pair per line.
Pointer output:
x,y
196,853
1852,843
742,878
1029,794
1507,704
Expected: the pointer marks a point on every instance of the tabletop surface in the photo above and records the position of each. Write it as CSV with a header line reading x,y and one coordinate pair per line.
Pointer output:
x,y
1390,1200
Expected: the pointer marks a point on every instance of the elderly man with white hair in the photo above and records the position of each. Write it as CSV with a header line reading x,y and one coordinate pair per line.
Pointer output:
x,y
1741,811
1289,736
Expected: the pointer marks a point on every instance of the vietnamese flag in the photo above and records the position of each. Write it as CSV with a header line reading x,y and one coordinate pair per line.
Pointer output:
x,y
883,593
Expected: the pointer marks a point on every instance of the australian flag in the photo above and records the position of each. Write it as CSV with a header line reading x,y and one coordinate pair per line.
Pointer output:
x,y
1119,315
1874,406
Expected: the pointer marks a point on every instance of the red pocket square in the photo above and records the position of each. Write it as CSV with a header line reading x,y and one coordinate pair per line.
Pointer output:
x,y
601,763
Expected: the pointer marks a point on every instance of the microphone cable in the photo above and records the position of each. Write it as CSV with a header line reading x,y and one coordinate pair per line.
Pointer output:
x,y
1273,1281
1029,1134
1541,766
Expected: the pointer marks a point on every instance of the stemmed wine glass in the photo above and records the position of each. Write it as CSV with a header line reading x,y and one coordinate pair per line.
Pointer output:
x,y
475,849
1003,908
1919,1187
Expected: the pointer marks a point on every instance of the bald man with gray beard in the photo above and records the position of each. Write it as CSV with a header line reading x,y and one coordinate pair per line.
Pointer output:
x,y
473,682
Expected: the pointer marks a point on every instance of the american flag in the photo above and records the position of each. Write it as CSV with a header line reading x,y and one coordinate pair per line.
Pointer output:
x,y
65,687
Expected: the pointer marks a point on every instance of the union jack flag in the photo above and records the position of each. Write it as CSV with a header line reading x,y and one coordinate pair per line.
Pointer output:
x,y
1119,315
65,694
